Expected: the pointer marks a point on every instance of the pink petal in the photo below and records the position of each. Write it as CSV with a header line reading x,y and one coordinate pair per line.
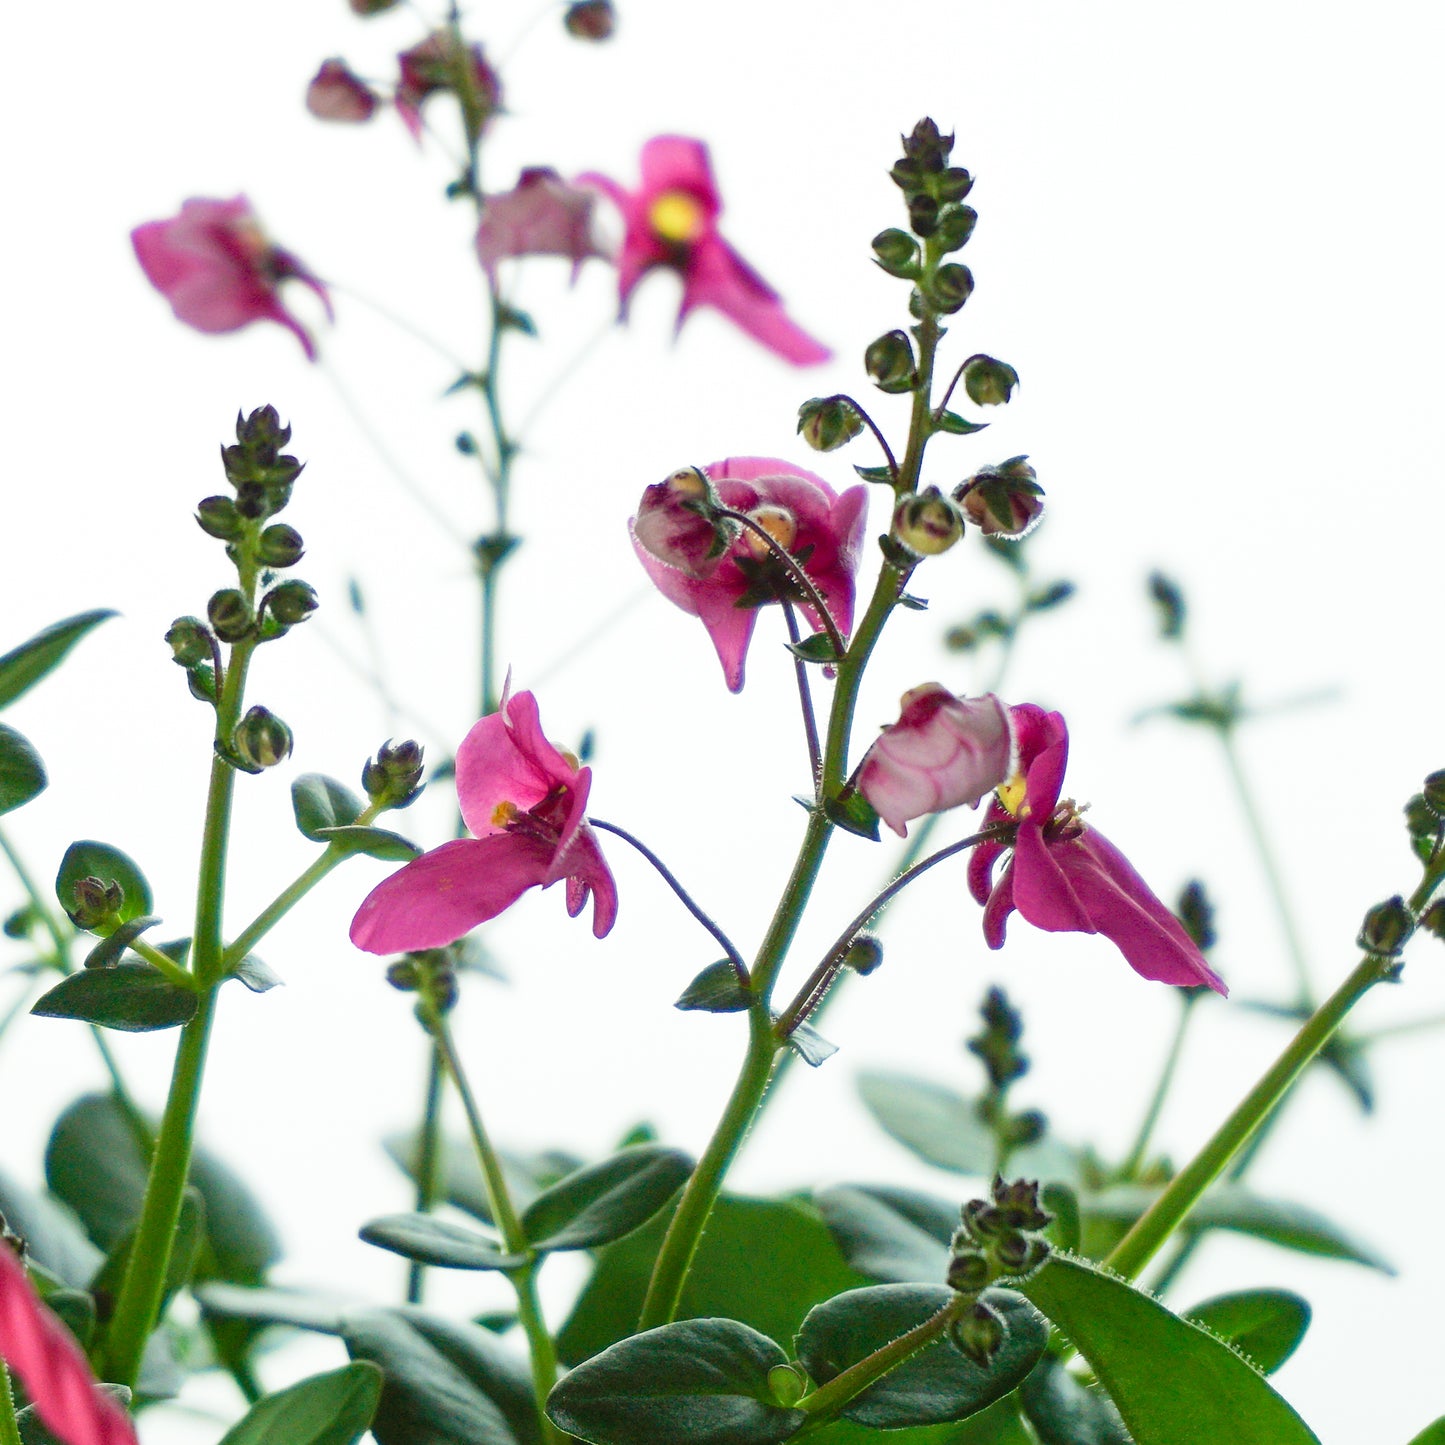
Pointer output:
x,y
587,873
717,276
52,1367
1042,739
678,163
996,911
1043,892
437,898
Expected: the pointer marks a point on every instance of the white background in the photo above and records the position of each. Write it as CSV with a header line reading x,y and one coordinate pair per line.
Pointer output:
x,y
1209,243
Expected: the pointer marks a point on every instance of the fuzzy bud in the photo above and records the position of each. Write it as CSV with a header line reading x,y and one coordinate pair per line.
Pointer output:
x,y
988,381
951,287
927,523
889,362
675,523
96,902
231,615
393,777
1002,501
590,20
261,739
336,93
1386,928
979,1333
1432,920
828,422
190,641
290,602
897,253
218,517
280,546
864,954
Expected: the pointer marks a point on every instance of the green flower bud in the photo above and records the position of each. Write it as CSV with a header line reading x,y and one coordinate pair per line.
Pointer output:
x,y
951,287
1018,1201
1432,920
590,20
393,777
927,522
1420,818
864,954
1386,928
1003,501
988,381
927,146
1196,912
1019,1255
787,1385
190,641
372,7
231,615
828,422
954,226
979,1333
969,1271
1434,792
218,517
889,362
1165,594
261,739
262,433
290,602
404,974
953,184
897,253
279,546
96,903
923,214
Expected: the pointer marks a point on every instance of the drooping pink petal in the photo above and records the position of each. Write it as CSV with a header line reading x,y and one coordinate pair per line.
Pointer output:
x,y
541,216
1042,890
337,93
680,163
1043,753
52,1366
717,276
445,893
587,874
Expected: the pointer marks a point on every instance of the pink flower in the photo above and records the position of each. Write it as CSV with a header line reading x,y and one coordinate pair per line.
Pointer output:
x,y
671,220
52,1367
217,268
526,804
541,216
821,529
942,751
337,93
436,64
1065,876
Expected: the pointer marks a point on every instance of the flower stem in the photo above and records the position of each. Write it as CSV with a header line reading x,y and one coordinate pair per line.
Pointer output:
x,y
805,695
1130,1167
428,1160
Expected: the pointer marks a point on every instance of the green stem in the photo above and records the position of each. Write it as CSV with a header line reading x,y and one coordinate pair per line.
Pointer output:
x,y
1130,1167
428,1157
9,1430
1169,1211
168,966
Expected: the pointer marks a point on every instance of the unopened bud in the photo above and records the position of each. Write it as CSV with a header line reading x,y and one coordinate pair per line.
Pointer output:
x,y
372,7
928,146
954,227
262,433
1420,818
1164,592
1434,792
787,1385
864,954
404,974
590,20
336,93
1386,928
190,641
1018,1201
979,1332
96,902
1196,912
230,615
923,213
969,1271
952,285
393,777
1019,1255
927,522
828,422
675,522
261,739
219,517
290,602
988,381
280,546
1003,501
889,362
778,522
1432,920
897,253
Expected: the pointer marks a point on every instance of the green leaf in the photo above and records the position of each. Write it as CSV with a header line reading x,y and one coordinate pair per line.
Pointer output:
x,y
132,997
1432,1434
445,1383
898,1236
1167,1377
302,1309
938,1384
54,1240
256,974
320,802
763,1262
1064,1411
817,648
1065,1229
604,1202
330,1409
460,1177
108,950
24,666
852,812
716,990
912,603
1291,1226
189,1232
703,1381
1265,1325
875,474
95,1164
955,425
429,1240
22,774
374,842
810,1045
99,860
998,1424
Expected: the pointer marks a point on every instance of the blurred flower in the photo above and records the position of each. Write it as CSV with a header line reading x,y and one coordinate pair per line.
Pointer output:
x,y
217,268
337,93
52,1367
671,220
821,529
590,20
541,216
526,804
436,63
1066,877
942,751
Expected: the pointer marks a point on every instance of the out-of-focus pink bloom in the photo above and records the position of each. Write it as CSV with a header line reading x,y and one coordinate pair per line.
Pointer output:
x,y
942,751
822,529
218,269
52,1367
1065,876
526,804
671,220
337,93
541,216
436,64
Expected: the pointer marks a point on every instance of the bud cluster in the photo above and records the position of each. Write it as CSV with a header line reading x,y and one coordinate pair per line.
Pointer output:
x,y
430,972
999,1241
997,1046
392,778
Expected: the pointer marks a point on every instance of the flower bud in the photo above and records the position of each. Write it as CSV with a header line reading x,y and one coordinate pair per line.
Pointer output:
x,y
404,974
778,522
828,422
1434,793
230,615
218,517
280,546
951,287
954,227
988,381
590,20
261,739
889,362
927,146
927,522
864,954
787,1385
1165,594
1386,928
337,93
923,213
675,522
372,7
393,777
1002,501
96,902
897,253
290,602
969,1271
1195,911
1432,920
1020,1254
979,1333
190,641
262,433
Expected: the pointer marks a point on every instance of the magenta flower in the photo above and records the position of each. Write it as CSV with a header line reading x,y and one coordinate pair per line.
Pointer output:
x,y
541,216
821,529
942,751
217,268
337,93
52,1367
526,804
1065,876
671,220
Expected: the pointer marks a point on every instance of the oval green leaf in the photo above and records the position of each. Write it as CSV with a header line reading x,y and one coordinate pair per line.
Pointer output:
x,y
429,1240
22,773
1433,1434
132,997
939,1383
898,1236
1265,1325
320,802
603,1202
703,1381
1064,1411
87,859
1169,1379
330,1409
374,842
715,990
22,667
256,974
109,950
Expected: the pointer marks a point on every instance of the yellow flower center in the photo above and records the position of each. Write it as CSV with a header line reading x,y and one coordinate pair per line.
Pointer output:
x,y
1011,794
676,217
778,523
503,814
688,483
